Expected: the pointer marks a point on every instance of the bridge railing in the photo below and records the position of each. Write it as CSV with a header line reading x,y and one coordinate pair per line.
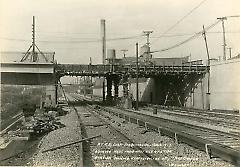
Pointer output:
x,y
195,68
73,68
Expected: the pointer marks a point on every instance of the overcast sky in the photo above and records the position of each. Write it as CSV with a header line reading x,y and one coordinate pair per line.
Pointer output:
x,y
71,28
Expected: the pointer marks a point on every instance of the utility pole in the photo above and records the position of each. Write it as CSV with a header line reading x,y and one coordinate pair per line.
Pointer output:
x,y
33,35
208,74
224,37
124,52
147,34
90,63
34,54
206,44
136,76
230,52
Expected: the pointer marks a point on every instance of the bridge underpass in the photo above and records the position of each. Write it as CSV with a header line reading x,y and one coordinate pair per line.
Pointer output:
x,y
173,84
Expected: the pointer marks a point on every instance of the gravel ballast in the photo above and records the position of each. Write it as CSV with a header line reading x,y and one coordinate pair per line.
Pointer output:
x,y
165,149
66,156
110,149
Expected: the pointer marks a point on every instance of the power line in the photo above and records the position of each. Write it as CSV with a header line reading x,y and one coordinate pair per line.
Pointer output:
x,y
121,38
114,39
72,41
80,33
181,19
188,39
130,46
188,34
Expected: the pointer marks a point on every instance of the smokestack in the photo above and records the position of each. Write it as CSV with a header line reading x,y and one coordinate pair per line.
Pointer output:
x,y
103,38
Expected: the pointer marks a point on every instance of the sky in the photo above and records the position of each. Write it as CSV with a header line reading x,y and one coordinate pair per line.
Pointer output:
x,y
71,28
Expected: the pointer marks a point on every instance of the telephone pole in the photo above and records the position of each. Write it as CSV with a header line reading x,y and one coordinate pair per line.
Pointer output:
x,y
33,55
33,35
206,44
147,34
208,74
224,37
136,76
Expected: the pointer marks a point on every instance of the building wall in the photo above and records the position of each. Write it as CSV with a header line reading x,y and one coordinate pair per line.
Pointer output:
x,y
225,85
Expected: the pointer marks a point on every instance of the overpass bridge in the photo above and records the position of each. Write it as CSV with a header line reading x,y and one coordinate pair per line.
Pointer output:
x,y
173,83
176,82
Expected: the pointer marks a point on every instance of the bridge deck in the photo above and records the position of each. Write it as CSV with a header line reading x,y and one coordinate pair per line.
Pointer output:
x,y
25,73
103,70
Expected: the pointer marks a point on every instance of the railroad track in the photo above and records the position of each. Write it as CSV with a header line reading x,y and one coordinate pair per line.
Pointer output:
x,y
7,125
215,143
231,116
230,121
102,118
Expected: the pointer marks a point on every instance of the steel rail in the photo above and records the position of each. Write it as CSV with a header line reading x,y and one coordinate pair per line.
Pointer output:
x,y
210,147
115,130
200,140
203,117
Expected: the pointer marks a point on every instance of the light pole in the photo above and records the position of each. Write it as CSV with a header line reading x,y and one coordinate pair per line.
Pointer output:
x,y
136,76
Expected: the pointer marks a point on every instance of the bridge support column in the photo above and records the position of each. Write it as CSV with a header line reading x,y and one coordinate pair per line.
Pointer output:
x,y
116,87
207,101
103,90
192,99
125,86
109,89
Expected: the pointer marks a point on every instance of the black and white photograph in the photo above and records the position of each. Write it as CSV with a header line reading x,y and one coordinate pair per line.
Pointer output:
x,y
120,83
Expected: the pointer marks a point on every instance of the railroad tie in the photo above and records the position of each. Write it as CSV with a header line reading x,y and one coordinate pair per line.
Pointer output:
x,y
146,125
176,138
208,151
159,131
